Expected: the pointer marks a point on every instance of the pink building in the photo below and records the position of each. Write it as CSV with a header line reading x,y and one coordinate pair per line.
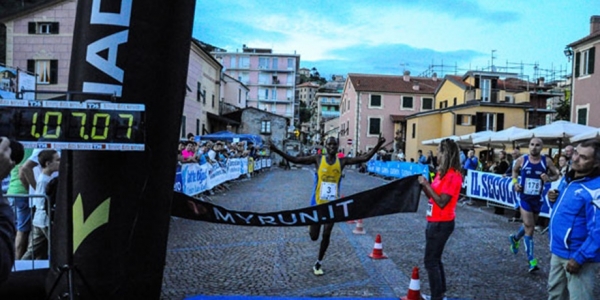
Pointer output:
x,y
271,77
374,104
39,40
586,77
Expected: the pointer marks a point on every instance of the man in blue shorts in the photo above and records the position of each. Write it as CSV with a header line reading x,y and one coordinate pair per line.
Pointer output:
x,y
533,169
19,186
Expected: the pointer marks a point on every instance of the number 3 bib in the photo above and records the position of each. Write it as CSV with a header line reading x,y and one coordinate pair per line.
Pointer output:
x,y
328,191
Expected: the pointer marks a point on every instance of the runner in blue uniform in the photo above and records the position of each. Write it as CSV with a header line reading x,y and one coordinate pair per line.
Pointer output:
x,y
533,169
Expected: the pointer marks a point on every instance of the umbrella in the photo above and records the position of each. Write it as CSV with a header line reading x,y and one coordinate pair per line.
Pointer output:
x,y
437,141
592,134
556,133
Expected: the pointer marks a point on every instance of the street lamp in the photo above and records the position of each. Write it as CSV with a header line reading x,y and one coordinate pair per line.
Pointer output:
x,y
568,53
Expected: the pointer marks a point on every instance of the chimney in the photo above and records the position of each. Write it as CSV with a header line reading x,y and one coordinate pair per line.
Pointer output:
x,y
406,76
434,77
594,24
416,85
541,81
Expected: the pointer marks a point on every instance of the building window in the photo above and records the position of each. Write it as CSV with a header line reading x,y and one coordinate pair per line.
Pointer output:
x,y
464,120
489,121
239,96
443,104
414,130
427,103
263,62
584,62
265,127
582,114
374,126
375,101
244,62
213,101
203,96
46,70
199,92
43,28
407,102
197,126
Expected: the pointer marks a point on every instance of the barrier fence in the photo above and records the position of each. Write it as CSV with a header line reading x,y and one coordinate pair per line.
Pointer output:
x,y
193,179
485,186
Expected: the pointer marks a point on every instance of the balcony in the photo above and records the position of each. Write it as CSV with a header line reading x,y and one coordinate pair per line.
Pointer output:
x,y
330,101
330,114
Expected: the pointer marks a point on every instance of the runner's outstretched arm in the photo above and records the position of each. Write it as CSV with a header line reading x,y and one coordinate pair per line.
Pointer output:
x,y
304,160
366,157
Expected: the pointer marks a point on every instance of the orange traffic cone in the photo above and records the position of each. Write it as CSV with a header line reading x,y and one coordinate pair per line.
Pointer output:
x,y
414,288
359,227
377,249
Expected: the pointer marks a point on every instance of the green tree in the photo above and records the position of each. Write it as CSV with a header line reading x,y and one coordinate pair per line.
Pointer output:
x,y
563,111
305,112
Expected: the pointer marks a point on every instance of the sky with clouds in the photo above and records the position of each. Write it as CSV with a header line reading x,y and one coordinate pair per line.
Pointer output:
x,y
387,37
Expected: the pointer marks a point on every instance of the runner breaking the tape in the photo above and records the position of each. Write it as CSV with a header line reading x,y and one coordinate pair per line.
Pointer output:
x,y
327,184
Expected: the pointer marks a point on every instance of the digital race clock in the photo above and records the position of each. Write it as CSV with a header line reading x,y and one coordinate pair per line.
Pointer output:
x,y
90,125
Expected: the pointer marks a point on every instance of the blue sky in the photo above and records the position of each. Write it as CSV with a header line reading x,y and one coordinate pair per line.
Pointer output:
x,y
387,37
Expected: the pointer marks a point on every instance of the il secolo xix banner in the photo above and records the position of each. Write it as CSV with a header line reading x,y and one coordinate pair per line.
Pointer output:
x,y
113,208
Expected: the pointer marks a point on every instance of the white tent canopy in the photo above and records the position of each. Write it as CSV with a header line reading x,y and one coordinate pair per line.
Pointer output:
x,y
437,141
592,134
500,137
556,133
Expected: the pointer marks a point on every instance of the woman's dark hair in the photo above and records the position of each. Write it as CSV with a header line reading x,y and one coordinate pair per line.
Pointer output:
x,y
451,153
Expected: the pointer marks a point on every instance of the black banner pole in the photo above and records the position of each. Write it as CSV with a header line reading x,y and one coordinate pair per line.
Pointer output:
x,y
113,208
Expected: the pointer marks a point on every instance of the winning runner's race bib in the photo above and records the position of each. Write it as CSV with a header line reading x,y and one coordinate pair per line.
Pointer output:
x,y
532,186
328,191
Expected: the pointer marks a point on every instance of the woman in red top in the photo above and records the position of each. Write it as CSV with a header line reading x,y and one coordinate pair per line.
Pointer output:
x,y
443,195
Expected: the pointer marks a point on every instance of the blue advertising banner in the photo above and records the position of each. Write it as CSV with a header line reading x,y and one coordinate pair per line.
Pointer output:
x,y
396,169
498,189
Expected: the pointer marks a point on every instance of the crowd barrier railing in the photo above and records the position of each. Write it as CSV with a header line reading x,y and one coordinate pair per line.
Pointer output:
x,y
22,264
193,179
484,186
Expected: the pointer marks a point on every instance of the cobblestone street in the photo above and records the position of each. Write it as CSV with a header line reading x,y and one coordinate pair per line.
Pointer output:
x,y
214,259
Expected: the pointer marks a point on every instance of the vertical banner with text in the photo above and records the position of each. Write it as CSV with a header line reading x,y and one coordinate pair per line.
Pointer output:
x,y
113,208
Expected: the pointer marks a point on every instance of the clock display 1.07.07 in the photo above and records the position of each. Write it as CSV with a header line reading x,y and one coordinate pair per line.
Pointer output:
x,y
71,125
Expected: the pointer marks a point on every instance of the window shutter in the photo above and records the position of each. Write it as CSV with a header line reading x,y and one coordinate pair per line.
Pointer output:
x,y
458,119
31,27
577,62
499,122
54,71
31,66
54,28
479,122
591,60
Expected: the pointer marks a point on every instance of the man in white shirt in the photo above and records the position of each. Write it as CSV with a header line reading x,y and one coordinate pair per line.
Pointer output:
x,y
49,160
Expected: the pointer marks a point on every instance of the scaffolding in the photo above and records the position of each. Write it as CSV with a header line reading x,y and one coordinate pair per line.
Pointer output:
x,y
526,71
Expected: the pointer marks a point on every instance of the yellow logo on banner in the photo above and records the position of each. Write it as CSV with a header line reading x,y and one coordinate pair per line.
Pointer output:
x,y
82,228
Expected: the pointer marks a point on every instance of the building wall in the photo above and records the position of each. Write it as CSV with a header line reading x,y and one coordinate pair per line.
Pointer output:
x,y
425,127
251,122
204,70
22,46
234,92
586,89
447,92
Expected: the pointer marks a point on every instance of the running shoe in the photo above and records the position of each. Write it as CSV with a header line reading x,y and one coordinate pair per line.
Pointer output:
x,y
317,269
514,244
533,265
